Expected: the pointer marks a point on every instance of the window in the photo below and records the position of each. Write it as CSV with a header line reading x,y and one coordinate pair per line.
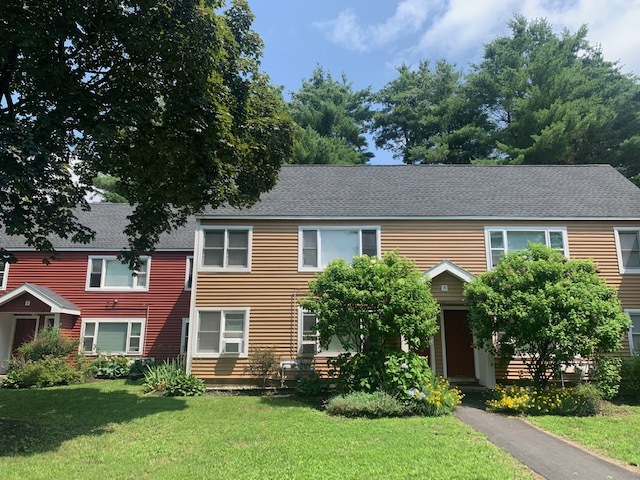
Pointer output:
x,y
109,273
184,337
188,278
320,246
634,332
222,332
309,340
628,249
226,249
4,274
503,240
121,336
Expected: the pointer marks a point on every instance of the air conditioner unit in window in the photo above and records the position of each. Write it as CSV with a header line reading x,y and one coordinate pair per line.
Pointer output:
x,y
309,348
232,346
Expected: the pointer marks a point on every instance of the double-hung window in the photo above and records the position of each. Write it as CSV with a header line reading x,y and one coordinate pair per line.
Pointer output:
x,y
222,331
309,339
109,273
502,240
112,336
4,273
628,248
319,246
634,332
226,249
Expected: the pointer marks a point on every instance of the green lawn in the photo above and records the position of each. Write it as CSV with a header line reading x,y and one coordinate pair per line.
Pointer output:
x,y
109,430
614,433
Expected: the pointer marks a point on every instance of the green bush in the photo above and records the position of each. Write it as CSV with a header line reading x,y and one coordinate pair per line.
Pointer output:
x,y
139,367
434,398
158,376
46,372
185,386
365,404
606,374
110,367
582,400
312,385
48,343
405,370
630,378
356,373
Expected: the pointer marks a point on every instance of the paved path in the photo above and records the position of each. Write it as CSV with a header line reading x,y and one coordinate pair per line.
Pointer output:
x,y
545,454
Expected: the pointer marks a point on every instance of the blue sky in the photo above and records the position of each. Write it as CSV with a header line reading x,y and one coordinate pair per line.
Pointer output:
x,y
367,39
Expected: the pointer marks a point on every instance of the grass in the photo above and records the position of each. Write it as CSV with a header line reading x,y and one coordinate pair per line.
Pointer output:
x,y
110,430
614,433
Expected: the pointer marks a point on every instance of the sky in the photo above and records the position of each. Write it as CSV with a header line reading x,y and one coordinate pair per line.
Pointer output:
x,y
367,39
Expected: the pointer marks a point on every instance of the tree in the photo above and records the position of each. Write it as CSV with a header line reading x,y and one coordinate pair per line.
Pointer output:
x,y
428,116
537,304
332,118
164,95
370,302
109,189
553,99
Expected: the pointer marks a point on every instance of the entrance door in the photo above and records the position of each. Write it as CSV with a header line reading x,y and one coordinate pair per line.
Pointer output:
x,y
459,344
25,331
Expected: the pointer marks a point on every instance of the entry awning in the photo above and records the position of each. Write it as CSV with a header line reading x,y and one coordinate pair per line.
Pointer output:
x,y
57,303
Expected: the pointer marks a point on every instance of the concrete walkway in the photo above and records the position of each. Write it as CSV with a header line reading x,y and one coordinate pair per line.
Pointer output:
x,y
545,454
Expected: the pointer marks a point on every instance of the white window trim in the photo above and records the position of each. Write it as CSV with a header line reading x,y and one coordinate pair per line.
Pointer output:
x,y
193,339
183,336
188,270
319,351
102,288
199,252
532,228
5,276
360,228
129,321
621,267
634,348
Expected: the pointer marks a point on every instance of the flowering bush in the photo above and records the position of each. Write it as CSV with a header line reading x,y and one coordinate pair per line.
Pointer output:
x,y
582,400
366,404
405,370
434,398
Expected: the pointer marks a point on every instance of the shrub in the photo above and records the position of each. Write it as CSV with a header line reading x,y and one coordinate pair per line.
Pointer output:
x,y
264,364
312,385
356,373
630,378
606,373
48,343
110,367
434,398
582,400
160,375
185,386
364,404
139,367
45,372
405,370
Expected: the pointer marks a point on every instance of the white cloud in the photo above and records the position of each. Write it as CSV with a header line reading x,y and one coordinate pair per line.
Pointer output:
x,y
346,30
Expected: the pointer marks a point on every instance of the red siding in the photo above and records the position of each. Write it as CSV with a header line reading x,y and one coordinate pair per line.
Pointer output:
x,y
17,305
166,301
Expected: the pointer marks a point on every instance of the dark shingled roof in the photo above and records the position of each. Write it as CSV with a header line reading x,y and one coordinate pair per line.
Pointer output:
x,y
52,296
109,220
463,191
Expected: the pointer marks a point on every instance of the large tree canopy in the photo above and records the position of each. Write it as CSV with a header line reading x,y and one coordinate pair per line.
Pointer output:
x,y
427,116
165,95
332,118
553,99
546,308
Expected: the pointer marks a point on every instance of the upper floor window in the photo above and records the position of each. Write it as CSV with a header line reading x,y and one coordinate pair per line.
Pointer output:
x,y
222,332
628,249
4,273
226,249
504,240
188,277
109,273
634,333
319,246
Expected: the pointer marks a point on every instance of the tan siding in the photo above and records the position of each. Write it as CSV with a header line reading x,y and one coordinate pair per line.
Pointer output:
x,y
274,285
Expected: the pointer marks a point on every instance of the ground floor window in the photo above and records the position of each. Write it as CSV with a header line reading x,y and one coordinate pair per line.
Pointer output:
x,y
224,331
309,340
112,336
634,333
